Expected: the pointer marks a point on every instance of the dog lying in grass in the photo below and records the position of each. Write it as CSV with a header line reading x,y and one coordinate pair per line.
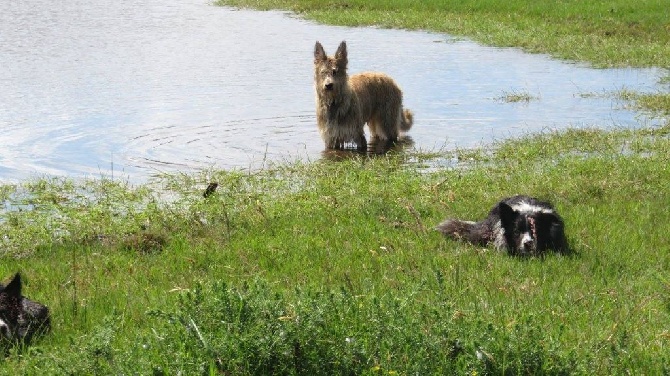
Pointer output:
x,y
21,319
521,225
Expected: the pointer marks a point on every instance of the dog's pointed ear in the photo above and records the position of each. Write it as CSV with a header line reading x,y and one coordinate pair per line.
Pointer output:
x,y
507,215
319,53
341,54
14,287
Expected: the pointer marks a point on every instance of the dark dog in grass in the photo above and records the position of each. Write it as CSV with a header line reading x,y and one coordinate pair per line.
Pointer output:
x,y
521,225
21,319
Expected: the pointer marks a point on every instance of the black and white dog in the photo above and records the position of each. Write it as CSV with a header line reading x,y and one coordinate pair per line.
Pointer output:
x,y
522,225
20,318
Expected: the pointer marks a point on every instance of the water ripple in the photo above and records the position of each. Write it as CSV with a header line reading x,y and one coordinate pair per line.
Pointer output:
x,y
94,87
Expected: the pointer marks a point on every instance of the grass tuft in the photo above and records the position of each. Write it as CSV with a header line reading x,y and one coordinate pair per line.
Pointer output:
x,y
516,96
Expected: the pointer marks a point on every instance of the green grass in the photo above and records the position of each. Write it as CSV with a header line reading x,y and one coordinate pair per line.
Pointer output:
x,y
333,267
611,33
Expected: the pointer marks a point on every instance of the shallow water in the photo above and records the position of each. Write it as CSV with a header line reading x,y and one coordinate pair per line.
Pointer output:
x,y
91,88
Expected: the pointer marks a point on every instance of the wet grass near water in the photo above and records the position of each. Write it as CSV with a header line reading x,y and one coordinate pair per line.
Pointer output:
x,y
333,267
613,33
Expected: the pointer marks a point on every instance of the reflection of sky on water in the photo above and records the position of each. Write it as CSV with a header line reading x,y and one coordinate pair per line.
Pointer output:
x,y
91,87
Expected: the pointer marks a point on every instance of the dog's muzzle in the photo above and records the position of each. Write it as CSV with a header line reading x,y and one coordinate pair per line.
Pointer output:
x,y
328,86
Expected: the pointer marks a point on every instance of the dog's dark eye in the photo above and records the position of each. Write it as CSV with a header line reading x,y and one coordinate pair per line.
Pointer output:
x,y
334,72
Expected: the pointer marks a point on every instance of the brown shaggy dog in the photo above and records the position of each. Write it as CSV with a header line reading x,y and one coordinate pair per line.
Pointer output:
x,y
344,104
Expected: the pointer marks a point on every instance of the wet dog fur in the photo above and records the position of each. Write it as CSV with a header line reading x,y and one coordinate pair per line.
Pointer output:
x,y
344,104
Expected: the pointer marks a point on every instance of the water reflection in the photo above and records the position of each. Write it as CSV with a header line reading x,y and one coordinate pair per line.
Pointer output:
x,y
114,88
374,149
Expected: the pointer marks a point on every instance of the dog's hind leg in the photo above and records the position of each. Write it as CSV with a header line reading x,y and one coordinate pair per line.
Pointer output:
x,y
381,130
388,123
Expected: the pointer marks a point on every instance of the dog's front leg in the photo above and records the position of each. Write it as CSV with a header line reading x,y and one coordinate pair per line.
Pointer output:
x,y
361,143
334,143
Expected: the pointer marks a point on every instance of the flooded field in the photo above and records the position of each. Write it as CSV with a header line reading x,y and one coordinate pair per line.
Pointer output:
x,y
91,88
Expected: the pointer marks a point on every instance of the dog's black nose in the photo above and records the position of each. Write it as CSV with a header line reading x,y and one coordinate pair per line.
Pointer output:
x,y
329,86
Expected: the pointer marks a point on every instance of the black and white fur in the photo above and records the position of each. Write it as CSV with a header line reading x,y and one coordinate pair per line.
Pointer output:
x,y
521,225
20,318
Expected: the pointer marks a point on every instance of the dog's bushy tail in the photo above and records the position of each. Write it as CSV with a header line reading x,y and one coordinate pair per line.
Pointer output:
x,y
457,229
406,121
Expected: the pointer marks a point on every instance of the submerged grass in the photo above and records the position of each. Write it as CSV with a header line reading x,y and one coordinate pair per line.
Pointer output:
x,y
516,96
658,103
333,267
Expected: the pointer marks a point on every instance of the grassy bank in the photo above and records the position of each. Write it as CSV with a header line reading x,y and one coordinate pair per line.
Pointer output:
x,y
606,34
333,267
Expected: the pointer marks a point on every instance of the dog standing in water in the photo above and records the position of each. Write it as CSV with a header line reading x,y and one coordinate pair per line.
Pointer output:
x,y
345,103
522,225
